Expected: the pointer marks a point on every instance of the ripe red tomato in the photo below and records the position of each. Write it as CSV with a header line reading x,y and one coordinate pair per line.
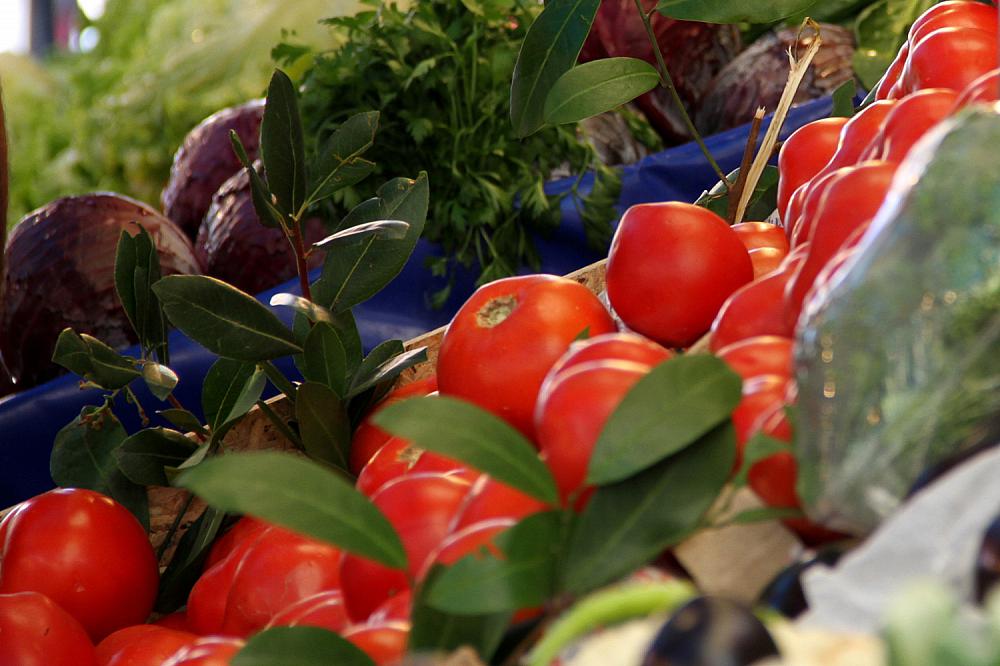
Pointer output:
x,y
34,631
766,260
755,309
950,58
398,457
325,610
984,89
573,407
206,604
621,346
912,117
84,551
395,609
671,267
177,621
503,340
421,508
953,15
472,539
852,199
887,85
489,498
142,645
384,642
760,395
207,651
246,528
759,355
757,235
803,154
369,438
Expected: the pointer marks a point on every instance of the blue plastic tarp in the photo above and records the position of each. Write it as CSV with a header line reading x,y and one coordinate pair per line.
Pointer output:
x,y
30,420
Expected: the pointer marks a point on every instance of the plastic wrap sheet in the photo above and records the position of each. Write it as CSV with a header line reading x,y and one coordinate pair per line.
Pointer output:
x,y
899,360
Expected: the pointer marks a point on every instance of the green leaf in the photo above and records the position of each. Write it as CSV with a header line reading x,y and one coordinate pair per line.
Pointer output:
x,y
183,420
380,230
267,213
598,86
733,11
630,522
323,424
759,447
84,456
137,268
354,273
325,359
435,631
282,147
312,311
301,646
880,29
462,431
340,163
300,495
843,99
231,388
143,456
524,577
765,514
762,202
223,319
549,50
93,360
160,379
369,377
667,410
186,564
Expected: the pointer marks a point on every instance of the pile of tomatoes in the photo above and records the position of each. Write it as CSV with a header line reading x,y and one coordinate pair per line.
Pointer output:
x,y
78,577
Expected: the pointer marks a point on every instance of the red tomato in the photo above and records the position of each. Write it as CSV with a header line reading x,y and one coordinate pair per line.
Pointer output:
x,y
810,208
206,604
489,498
395,609
473,539
913,117
755,309
852,199
886,86
498,348
398,457
622,346
142,648
246,528
951,58
421,508
760,395
572,410
757,235
280,569
384,642
953,15
794,259
87,553
177,621
34,631
984,89
325,610
369,438
671,267
759,355
207,651
766,260
825,280
803,154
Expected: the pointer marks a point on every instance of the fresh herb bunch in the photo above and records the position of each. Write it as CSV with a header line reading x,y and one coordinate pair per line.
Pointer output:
x,y
440,75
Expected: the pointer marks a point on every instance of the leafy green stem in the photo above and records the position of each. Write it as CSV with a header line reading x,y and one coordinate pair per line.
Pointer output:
x,y
174,526
299,249
279,380
668,83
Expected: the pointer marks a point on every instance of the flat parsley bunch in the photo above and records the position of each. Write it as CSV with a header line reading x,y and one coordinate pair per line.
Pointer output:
x,y
440,75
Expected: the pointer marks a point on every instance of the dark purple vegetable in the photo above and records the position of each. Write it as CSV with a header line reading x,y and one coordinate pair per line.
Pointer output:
x,y
785,594
757,76
60,272
710,631
206,160
235,247
988,561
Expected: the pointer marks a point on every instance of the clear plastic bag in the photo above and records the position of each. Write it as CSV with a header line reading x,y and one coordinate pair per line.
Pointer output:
x,y
898,361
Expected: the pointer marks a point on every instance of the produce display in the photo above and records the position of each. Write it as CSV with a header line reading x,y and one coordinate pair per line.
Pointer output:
x,y
560,474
